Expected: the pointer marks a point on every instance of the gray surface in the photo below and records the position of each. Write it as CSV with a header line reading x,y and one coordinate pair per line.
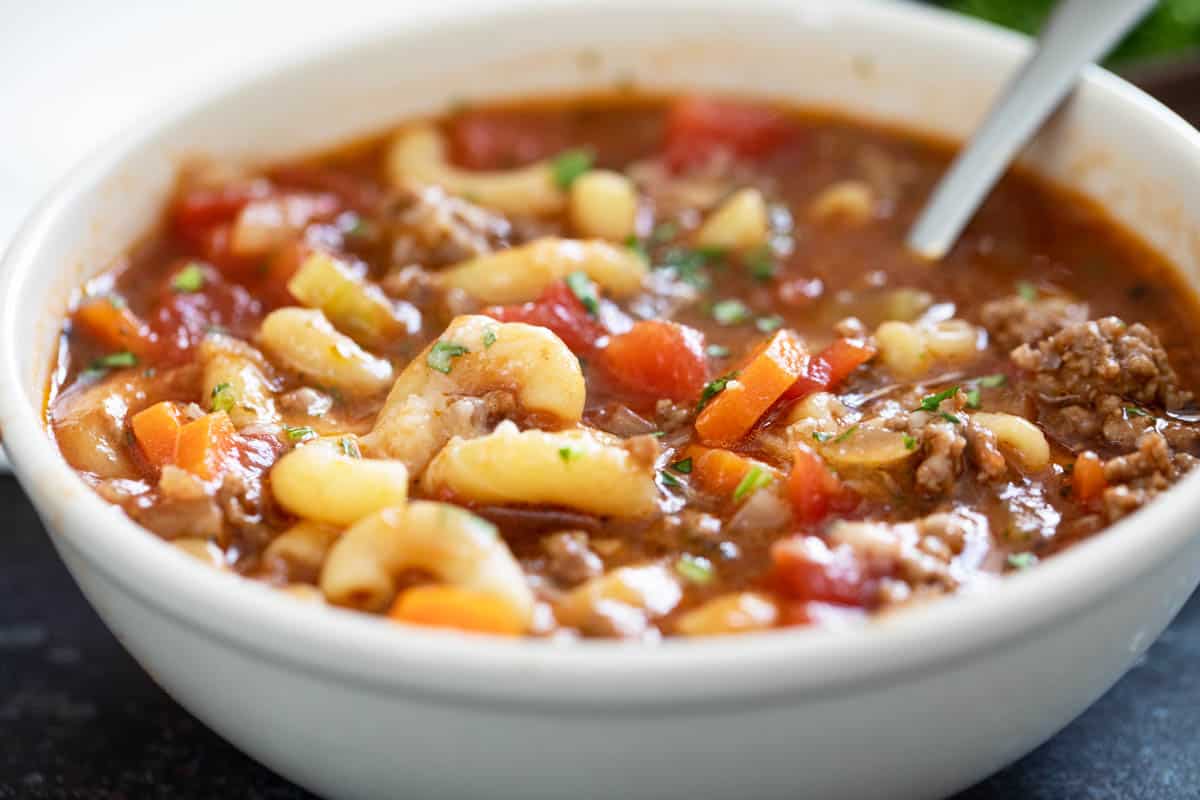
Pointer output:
x,y
80,720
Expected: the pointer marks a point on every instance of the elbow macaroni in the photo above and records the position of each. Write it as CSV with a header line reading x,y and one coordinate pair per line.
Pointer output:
x,y
318,481
739,223
1022,438
530,362
455,545
420,153
304,340
603,205
233,375
522,273
910,349
580,469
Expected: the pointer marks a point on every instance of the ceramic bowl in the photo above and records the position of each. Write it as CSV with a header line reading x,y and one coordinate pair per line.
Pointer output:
x,y
917,705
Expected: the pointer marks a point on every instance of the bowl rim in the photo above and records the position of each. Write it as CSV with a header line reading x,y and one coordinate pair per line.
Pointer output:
x,y
674,675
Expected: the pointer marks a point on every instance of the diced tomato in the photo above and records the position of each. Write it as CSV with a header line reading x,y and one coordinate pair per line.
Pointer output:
x,y
805,569
199,210
699,127
827,369
502,139
562,312
352,190
182,319
1087,478
660,358
813,490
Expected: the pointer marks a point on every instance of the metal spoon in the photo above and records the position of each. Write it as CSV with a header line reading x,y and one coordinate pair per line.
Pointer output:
x,y
1077,33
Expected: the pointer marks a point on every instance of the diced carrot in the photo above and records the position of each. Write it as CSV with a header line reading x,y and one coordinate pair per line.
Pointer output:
x,y
716,470
1087,478
658,358
826,370
813,490
112,324
769,372
156,430
805,569
206,444
441,606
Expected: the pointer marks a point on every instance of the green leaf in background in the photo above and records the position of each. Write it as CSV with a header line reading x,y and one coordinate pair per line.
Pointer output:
x,y
1173,26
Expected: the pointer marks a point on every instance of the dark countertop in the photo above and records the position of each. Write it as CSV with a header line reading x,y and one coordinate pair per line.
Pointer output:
x,y
79,719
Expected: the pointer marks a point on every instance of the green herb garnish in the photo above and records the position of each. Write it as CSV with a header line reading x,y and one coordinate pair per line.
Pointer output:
x,y
221,398
730,312
569,165
717,351
1027,291
669,480
113,361
116,301
822,437
442,354
755,478
489,338
582,287
909,442
714,388
992,381
688,266
1022,560
635,244
664,232
300,433
946,415
695,569
973,398
349,447
846,434
684,466
568,454
769,324
932,401
761,264
1134,411
189,279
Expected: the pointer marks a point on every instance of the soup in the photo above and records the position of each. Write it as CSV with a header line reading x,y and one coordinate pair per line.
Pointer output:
x,y
624,367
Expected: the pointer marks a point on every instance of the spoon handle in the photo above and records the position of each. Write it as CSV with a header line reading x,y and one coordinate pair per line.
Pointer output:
x,y
1077,33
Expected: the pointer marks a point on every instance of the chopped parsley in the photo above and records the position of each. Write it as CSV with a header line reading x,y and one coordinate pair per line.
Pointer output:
x,y
664,232
755,478
1134,411
695,569
822,437
489,338
582,287
568,454
442,354
992,381
189,279
932,401
635,244
846,434
946,415
909,442
300,433
221,398
717,351
1027,291
973,398
116,301
349,447
688,266
714,388
684,466
761,264
1022,560
569,165
113,361
730,312
669,480
769,324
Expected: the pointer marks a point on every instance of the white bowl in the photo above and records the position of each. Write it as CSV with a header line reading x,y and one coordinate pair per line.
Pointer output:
x,y
919,705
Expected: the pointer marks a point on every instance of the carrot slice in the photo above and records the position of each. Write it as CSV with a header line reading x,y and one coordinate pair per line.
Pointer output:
x,y
1087,478
769,373
112,324
205,445
440,606
156,430
716,470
